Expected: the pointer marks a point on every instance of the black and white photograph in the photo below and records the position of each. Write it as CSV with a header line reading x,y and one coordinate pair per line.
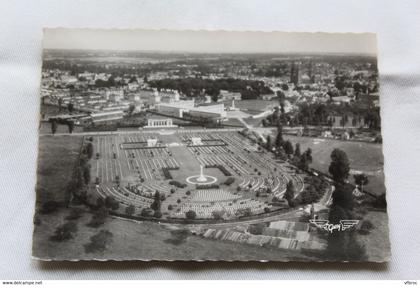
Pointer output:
x,y
210,146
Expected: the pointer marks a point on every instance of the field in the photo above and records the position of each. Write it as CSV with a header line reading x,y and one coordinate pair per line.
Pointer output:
x,y
365,157
377,241
145,241
255,106
56,158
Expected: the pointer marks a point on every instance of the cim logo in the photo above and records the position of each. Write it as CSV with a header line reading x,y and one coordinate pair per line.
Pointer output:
x,y
341,227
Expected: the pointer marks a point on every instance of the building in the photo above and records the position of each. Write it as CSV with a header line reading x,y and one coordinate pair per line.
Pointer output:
x,y
176,109
225,95
183,107
152,142
160,123
169,96
341,100
149,96
114,95
196,141
106,116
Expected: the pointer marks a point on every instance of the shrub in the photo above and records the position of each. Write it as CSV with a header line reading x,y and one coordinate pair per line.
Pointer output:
x,y
98,242
170,207
98,218
229,181
366,227
257,229
177,184
188,193
207,186
190,215
130,210
221,168
157,214
147,212
111,203
266,210
217,215
64,232
178,201
167,174
172,191
89,150
246,212
74,214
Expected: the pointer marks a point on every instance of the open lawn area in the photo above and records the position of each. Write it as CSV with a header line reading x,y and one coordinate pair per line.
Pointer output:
x,y
365,157
56,158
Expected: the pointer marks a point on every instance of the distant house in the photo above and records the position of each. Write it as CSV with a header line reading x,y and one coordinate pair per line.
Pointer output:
x,y
268,97
225,95
341,100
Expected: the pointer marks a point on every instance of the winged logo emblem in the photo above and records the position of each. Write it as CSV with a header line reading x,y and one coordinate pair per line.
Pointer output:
x,y
342,226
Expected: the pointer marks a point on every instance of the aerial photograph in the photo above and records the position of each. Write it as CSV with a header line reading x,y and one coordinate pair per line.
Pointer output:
x,y
209,145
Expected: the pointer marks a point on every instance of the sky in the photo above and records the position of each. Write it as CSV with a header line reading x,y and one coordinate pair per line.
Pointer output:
x,y
209,41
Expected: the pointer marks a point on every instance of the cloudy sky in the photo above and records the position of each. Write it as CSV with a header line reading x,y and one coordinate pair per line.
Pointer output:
x,y
209,41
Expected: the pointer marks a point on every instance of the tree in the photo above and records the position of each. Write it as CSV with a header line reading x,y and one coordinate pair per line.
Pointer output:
x,y
65,232
281,98
156,202
147,212
157,214
340,166
86,174
308,154
190,215
268,144
70,125
130,210
343,245
297,150
98,242
290,192
60,104
288,147
279,139
131,109
303,162
53,126
361,180
89,150
111,203
70,107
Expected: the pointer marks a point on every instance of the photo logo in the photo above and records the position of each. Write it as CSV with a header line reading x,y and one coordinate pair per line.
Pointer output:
x,y
341,227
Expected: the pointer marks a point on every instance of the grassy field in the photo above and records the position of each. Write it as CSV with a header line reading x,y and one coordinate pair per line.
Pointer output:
x,y
377,241
145,241
56,158
365,157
